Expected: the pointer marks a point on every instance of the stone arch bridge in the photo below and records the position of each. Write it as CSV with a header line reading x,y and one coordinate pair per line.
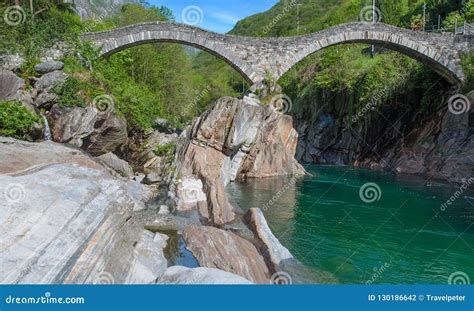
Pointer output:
x,y
255,58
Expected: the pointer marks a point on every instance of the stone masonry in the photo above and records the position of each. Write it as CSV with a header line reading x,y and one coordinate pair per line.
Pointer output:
x,y
256,58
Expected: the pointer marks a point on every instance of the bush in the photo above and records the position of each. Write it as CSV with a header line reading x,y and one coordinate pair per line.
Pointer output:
x,y
15,120
165,150
68,93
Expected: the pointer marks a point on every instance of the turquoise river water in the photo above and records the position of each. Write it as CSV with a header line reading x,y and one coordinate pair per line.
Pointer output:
x,y
399,231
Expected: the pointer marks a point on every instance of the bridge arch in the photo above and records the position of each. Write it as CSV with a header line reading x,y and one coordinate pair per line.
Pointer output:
x,y
440,52
255,58
134,35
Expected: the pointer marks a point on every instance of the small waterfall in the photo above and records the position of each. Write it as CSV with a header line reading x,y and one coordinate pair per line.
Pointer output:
x,y
47,130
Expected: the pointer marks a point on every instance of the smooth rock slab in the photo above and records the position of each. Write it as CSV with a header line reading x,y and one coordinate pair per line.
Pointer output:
x,y
65,219
216,248
203,276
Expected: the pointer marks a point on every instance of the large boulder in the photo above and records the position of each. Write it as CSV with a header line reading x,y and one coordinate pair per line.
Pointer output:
x,y
44,98
216,248
50,80
202,276
96,132
48,67
65,219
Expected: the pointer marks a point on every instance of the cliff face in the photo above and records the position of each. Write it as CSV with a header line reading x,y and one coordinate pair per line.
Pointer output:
x,y
392,138
98,8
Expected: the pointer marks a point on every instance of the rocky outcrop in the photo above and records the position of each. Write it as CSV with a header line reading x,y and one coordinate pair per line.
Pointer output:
x,y
93,131
203,276
232,141
65,219
441,149
274,251
217,248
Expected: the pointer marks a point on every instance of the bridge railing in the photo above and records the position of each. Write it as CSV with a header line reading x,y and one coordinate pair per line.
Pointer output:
x,y
466,29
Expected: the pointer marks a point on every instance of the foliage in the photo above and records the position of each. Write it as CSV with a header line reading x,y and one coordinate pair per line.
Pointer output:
x,y
74,92
416,22
165,150
15,120
48,22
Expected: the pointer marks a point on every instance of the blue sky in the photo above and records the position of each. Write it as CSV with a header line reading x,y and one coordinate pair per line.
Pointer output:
x,y
215,15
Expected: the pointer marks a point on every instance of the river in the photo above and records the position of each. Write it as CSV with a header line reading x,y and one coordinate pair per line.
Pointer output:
x,y
405,236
